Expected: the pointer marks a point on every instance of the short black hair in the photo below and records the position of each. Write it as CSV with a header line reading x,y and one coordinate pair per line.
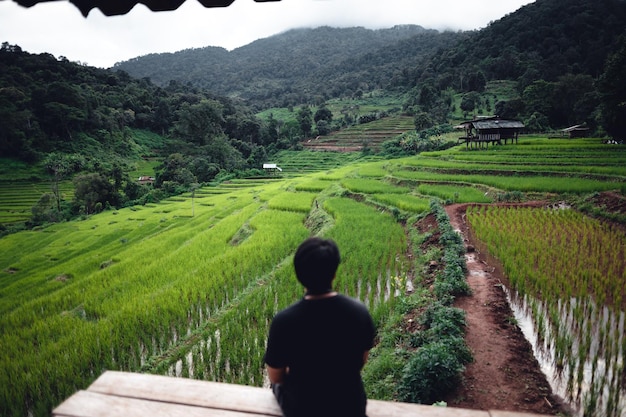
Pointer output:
x,y
316,261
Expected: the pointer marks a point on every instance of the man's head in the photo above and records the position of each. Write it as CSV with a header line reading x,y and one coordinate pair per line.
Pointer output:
x,y
316,263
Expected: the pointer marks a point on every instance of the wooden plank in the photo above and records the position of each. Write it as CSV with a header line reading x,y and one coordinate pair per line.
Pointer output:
x,y
215,395
93,404
377,408
500,413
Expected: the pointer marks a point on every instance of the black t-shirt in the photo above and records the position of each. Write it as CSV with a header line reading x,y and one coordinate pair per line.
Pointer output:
x,y
322,342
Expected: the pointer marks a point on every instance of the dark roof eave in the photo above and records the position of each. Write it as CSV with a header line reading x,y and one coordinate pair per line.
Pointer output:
x,y
120,7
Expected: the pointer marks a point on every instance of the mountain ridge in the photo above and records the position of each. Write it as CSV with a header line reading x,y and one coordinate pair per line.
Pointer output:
x,y
545,39
295,58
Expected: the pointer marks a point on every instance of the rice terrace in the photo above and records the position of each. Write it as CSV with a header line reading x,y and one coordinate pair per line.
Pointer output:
x,y
187,287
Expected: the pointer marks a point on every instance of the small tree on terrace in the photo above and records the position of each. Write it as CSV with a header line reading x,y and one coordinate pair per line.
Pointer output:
x,y
61,166
469,102
422,121
323,114
93,191
305,120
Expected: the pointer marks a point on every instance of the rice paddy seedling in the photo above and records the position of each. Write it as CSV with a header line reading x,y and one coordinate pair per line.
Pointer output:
x,y
18,197
191,292
300,201
574,185
135,288
313,185
135,297
371,186
375,170
372,246
573,266
455,194
405,202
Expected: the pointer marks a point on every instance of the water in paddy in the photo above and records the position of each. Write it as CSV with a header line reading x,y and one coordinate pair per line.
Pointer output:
x,y
581,348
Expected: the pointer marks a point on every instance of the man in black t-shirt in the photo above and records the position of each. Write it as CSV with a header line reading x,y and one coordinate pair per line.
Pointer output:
x,y
317,346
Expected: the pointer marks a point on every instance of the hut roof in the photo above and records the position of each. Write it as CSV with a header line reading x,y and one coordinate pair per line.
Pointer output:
x,y
498,124
493,123
574,128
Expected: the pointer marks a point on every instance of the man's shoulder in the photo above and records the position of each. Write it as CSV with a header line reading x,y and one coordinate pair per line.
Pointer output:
x,y
355,302
289,310
303,306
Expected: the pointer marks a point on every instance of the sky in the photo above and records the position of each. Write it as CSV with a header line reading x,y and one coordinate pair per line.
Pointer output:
x,y
58,27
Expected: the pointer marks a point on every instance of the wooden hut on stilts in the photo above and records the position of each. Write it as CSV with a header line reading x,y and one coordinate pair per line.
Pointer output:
x,y
481,132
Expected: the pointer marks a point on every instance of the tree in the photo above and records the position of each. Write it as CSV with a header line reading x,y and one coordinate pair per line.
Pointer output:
x,y
469,102
305,120
46,210
569,100
199,123
612,87
174,169
203,170
257,157
475,81
61,109
94,191
428,96
60,166
537,122
162,116
422,121
574,100
538,97
323,114
323,127
133,190
221,152
511,109
272,129
16,129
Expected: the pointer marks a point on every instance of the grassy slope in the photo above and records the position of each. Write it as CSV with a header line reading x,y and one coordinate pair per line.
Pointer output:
x,y
372,102
372,134
495,91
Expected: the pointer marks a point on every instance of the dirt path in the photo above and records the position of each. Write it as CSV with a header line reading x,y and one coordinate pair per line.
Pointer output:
x,y
504,375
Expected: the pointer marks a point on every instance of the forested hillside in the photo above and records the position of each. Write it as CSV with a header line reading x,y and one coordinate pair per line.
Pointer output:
x,y
298,66
543,40
555,50
93,125
53,105
566,58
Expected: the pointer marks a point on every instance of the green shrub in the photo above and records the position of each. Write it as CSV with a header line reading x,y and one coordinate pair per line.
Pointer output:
x,y
510,196
440,322
383,371
437,313
432,372
435,367
451,282
455,255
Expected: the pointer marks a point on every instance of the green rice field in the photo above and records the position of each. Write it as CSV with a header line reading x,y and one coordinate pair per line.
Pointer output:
x,y
188,287
567,272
